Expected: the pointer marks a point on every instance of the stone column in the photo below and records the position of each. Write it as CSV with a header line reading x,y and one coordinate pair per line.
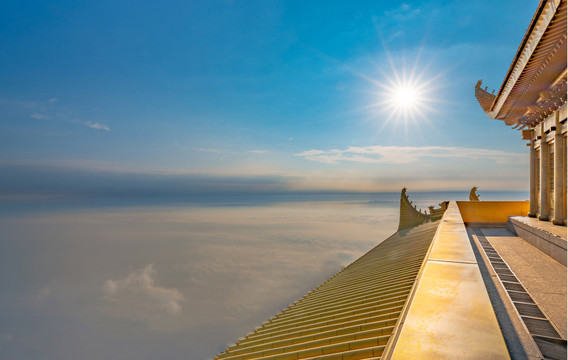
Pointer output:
x,y
532,176
544,209
559,181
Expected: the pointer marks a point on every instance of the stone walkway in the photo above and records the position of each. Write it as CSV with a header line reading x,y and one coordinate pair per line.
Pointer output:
x,y
543,277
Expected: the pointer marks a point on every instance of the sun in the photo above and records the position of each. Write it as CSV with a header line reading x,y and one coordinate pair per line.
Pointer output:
x,y
405,96
404,100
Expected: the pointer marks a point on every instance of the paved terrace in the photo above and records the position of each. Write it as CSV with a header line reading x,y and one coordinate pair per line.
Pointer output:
x,y
527,285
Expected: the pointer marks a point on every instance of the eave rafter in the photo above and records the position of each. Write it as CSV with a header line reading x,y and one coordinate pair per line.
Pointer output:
x,y
535,84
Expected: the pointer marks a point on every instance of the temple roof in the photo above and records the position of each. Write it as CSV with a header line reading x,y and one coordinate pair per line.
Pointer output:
x,y
353,314
535,84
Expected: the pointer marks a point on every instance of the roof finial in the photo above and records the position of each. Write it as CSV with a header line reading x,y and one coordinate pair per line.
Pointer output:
x,y
473,195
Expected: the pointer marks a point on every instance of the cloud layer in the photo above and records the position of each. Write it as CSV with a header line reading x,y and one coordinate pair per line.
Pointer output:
x,y
408,154
177,282
136,296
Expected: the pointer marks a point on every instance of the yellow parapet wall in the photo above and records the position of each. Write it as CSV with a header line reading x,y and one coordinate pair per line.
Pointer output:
x,y
491,211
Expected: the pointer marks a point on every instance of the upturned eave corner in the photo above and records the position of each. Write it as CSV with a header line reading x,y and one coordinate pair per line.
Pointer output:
x,y
410,216
484,98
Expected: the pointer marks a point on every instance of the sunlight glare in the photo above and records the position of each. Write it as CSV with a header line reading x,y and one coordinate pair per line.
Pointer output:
x,y
405,96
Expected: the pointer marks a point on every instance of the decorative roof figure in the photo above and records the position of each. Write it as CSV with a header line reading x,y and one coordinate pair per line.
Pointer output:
x,y
410,216
473,195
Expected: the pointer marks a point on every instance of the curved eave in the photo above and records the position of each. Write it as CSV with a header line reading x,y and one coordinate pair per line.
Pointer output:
x,y
484,98
539,62
545,66
410,216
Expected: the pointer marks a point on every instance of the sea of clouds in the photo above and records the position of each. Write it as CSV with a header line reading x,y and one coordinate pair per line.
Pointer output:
x,y
168,282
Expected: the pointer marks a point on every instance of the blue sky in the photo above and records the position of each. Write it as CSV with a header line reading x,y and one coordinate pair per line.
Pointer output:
x,y
255,90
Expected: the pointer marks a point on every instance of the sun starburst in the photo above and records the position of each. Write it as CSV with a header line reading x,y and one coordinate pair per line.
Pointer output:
x,y
404,95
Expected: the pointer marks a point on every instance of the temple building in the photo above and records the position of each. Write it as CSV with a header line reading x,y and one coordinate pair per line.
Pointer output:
x,y
467,280
532,98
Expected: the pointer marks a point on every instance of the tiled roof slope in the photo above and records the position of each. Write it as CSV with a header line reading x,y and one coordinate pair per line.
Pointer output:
x,y
351,315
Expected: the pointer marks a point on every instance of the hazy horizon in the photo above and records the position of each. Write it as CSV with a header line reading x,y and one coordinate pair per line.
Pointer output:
x,y
42,180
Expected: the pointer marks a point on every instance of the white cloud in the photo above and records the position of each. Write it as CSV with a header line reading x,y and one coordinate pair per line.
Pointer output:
x,y
52,100
408,154
95,125
92,125
39,116
258,151
136,296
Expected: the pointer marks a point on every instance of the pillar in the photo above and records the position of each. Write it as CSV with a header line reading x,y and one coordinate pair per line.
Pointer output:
x,y
532,176
544,209
559,180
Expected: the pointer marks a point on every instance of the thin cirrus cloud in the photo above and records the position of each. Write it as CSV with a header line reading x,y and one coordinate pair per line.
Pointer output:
x,y
408,154
95,125
136,296
92,124
39,116
42,116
